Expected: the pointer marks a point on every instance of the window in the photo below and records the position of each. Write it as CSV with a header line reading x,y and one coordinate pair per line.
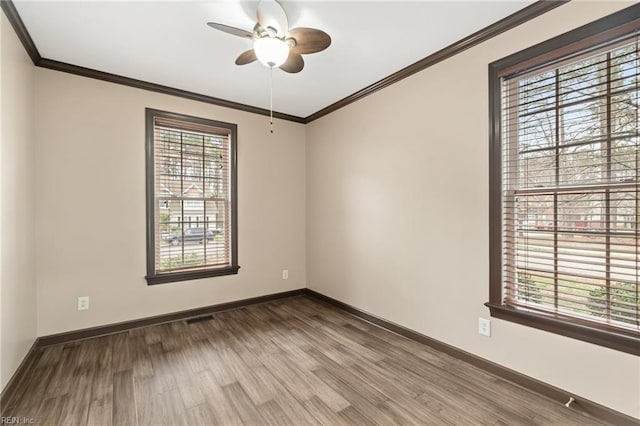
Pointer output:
x,y
191,176
565,193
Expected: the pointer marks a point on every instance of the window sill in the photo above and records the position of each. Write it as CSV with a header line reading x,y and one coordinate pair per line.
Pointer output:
x,y
191,275
614,339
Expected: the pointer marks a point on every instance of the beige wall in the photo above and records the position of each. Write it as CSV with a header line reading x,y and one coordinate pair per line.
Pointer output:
x,y
90,174
397,214
396,207
17,199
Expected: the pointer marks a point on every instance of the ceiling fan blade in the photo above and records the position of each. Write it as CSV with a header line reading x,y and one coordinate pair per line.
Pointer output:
x,y
293,64
309,40
271,14
246,57
231,30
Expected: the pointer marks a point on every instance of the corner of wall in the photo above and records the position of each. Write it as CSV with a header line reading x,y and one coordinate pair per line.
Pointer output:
x,y
2,378
18,316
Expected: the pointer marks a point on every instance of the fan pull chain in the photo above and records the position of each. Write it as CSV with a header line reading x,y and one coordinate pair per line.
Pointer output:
x,y
271,99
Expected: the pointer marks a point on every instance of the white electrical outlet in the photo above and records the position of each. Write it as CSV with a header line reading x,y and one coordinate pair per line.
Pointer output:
x,y
83,303
285,274
484,327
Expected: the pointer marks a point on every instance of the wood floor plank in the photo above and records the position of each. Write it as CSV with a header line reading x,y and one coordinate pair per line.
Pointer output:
x,y
201,349
173,335
177,366
124,408
173,411
295,410
198,330
61,381
223,373
100,412
50,356
438,367
330,348
444,390
76,410
365,406
194,355
408,411
200,415
279,365
323,413
50,410
364,389
152,334
248,356
303,384
22,398
221,408
290,405
191,393
90,351
30,394
383,381
121,352
440,407
243,404
258,385
355,349
294,343
162,371
288,362
338,334
148,402
352,416
272,414
140,358
102,385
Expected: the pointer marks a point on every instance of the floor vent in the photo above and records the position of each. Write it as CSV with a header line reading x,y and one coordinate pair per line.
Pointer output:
x,y
200,319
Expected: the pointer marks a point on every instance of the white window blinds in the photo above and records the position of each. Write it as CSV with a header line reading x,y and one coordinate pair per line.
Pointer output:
x,y
570,165
191,197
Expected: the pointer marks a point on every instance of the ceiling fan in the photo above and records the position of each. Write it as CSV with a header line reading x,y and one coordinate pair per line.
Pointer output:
x,y
274,44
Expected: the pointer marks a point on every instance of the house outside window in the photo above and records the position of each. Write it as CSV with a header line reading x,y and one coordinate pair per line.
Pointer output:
x,y
191,177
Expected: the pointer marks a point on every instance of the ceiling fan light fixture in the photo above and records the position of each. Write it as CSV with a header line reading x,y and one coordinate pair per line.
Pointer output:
x,y
271,51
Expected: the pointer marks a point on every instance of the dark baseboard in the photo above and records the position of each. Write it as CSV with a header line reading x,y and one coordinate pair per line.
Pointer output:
x,y
559,395
103,330
581,404
18,376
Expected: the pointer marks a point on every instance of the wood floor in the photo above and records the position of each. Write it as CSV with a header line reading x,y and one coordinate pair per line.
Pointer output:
x,y
290,362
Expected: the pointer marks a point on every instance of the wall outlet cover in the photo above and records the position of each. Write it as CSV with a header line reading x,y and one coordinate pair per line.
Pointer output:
x,y
484,327
83,303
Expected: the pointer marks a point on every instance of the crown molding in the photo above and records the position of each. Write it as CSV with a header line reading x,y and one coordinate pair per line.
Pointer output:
x,y
530,12
520,17
153,87
14,18
23,35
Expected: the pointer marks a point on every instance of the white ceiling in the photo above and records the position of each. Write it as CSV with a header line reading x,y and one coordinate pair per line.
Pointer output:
x,y
169,43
